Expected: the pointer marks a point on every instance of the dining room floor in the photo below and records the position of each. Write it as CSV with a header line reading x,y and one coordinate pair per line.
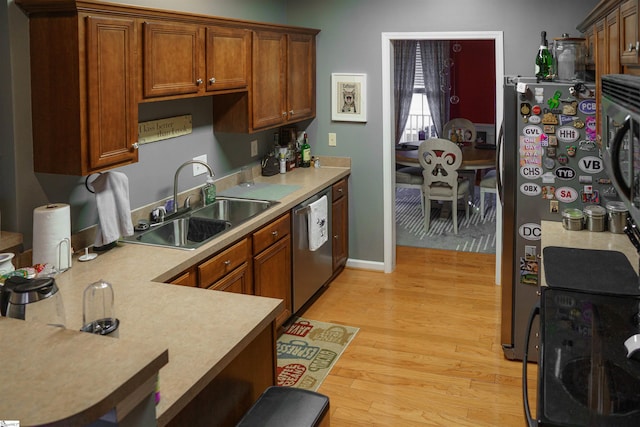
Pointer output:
x,y
428,352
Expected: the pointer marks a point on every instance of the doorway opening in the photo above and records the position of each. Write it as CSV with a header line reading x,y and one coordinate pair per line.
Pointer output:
x,y
388,130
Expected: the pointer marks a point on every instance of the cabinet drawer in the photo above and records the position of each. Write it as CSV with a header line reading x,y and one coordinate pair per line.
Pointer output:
x,y
271,233
226,261
339,189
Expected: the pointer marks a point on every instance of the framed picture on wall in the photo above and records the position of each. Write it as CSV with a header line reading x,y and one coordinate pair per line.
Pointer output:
x,y
349,97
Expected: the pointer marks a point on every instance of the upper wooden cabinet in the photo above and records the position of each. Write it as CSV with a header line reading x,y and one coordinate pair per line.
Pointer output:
x,y
228,59
629,40
283,84
283,78
83,97
179,61
172,59
92,62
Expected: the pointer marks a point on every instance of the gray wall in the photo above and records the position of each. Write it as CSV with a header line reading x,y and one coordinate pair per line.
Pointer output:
x,y
350,41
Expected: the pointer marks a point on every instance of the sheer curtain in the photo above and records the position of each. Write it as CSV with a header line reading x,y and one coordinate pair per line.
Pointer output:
x,y
437,80
404,71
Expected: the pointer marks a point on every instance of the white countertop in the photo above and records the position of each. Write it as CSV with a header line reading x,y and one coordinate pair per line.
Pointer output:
x,y
203,330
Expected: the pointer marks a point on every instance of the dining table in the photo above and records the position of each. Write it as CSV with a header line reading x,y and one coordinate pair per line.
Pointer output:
x,y
474,155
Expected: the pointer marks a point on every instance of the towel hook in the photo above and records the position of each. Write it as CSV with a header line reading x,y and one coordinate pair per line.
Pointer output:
x,y
86,183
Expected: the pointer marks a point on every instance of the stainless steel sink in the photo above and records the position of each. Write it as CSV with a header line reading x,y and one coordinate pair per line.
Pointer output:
x,y
233,210
196,227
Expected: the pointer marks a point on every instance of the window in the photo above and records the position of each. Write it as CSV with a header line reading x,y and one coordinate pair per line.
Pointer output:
x,y
419,115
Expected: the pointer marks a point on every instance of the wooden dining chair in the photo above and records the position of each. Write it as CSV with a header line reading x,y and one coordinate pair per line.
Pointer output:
x,y
440,159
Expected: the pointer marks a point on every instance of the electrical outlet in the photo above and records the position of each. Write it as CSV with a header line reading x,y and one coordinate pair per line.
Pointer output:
x,y
332,139
198,169
254,148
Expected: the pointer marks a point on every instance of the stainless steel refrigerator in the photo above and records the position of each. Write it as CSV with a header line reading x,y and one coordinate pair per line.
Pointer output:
x,y
549,162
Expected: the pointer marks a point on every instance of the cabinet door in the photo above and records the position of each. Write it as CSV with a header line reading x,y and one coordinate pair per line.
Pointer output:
x,y
238,281
112,106
340,230
216,267
188,278
272,275
269,88
172,59
228,56
301,76
629,32
613,42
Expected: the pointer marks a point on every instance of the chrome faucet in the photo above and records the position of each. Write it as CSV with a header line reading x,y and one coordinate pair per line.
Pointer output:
x,y
175,180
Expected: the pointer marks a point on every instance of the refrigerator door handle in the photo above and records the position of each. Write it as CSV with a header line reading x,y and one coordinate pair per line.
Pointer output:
x,y
535,311
498,163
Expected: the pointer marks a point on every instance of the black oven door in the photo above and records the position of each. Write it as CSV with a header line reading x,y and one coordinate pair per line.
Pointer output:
x,y
621,152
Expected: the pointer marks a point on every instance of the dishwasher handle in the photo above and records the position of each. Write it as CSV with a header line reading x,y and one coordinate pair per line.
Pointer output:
x,y
535,311
301,211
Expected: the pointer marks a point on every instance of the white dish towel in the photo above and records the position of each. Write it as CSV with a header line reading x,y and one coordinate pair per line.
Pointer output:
x,y
114,211
318,227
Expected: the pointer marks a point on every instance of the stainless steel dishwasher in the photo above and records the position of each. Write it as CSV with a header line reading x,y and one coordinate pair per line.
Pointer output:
x,y
311,269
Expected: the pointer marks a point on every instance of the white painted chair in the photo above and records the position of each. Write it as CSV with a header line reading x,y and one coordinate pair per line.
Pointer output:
x,y
411,177
440,159
487,185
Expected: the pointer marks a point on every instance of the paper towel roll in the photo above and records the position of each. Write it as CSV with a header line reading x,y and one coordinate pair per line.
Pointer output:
x,y
52,235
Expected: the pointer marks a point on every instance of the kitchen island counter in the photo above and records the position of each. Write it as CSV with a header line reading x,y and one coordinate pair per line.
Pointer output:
x,y
203,330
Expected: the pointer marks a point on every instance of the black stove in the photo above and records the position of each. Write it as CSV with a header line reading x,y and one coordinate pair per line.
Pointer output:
x,y
584,375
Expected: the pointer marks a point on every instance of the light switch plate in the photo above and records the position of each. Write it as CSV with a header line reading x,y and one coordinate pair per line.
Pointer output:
x,y
254,148
198,169
332,139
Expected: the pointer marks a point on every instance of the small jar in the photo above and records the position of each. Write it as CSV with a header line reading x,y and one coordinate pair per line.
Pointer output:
x,y
617,213
594,217
572,219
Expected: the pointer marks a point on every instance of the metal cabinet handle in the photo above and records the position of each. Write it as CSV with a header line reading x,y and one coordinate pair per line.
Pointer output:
x,y
339,190
227,262
284,114
212,80
335,237
631,47
291,112
135,145
275,233
199,82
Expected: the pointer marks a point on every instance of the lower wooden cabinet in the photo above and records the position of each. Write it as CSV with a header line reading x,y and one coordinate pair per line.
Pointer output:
x,y
340,224
272,264
229,270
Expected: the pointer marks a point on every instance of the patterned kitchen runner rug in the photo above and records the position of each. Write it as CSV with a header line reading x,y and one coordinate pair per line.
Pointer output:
x,y
476,234
307,351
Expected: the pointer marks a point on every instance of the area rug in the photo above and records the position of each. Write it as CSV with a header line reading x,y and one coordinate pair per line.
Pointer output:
x,y
476,234
307,351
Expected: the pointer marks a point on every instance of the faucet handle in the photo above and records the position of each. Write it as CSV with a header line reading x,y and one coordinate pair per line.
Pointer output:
x,y
157,214
187,202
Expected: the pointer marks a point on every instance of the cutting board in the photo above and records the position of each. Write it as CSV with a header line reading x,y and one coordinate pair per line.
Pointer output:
x,y
260,191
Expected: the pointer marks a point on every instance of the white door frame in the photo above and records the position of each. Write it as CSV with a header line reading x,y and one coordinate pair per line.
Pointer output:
x,y
388,158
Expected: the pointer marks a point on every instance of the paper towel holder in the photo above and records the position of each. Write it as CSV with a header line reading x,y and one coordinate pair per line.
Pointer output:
x,y
86,183
64,242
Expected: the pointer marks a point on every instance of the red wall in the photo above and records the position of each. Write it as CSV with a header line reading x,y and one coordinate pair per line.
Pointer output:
x,y
473,80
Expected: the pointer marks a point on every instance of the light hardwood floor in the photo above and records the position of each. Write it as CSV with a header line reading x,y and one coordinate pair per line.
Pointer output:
x,y
428,350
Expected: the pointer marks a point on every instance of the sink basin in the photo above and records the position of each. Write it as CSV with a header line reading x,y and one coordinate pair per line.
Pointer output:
x,y
183,233
195,228
233,210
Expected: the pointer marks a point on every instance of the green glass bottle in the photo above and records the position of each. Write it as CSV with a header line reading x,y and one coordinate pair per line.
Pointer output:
x,y
306,152
544,59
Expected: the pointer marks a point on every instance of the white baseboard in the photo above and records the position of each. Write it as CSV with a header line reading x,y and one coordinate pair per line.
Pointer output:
x,y
365,265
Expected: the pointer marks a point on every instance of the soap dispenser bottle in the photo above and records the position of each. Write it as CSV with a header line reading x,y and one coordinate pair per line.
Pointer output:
x,y
209,192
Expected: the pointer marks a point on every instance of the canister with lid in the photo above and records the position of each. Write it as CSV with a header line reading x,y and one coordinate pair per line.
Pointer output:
x,y
617,213
572,219
569,56
594,217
